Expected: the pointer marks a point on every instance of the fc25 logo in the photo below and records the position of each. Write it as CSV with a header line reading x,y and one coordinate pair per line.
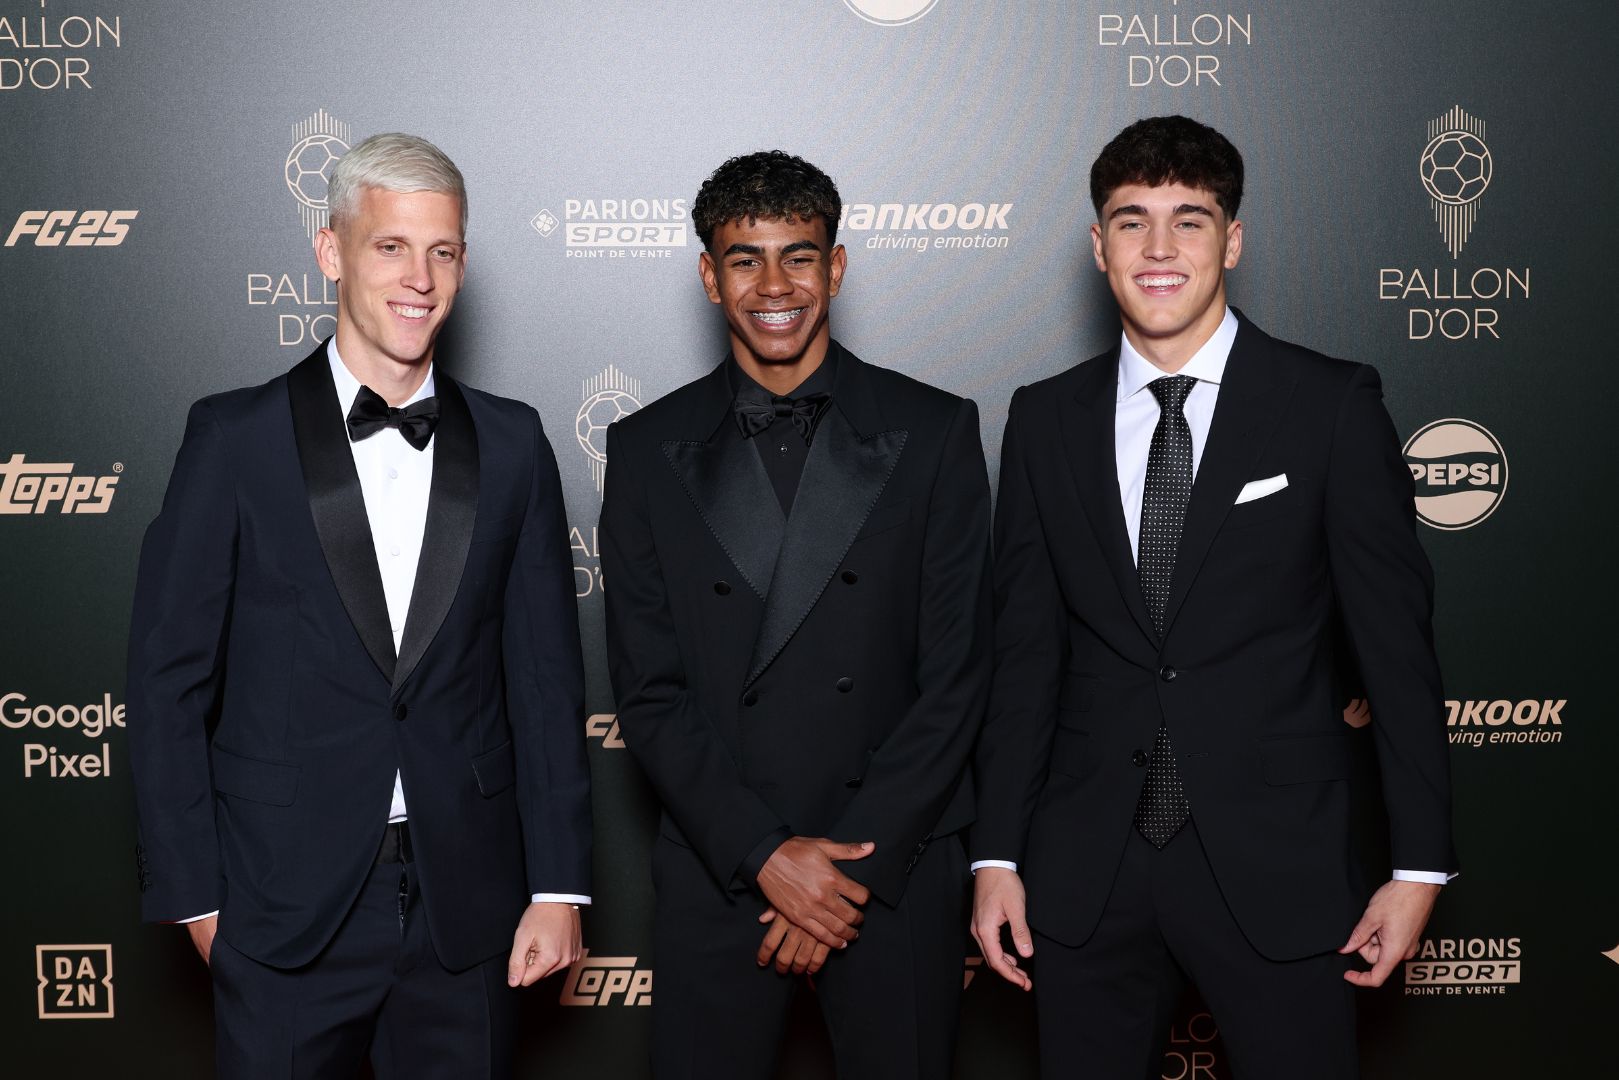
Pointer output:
x,y
72,228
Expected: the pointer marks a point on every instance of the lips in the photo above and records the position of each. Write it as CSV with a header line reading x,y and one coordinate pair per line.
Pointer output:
x,y
777,320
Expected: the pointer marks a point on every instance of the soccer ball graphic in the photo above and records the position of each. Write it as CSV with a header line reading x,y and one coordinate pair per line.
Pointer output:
x,y
309,167
1456,167
596,413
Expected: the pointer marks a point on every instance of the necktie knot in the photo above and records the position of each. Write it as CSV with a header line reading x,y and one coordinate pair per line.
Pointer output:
x,y
756,409
1171,390
370,414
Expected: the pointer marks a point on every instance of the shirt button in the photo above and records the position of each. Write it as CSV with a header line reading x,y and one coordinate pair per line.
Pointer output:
x,y
782,448
393,474
1139,759
394,550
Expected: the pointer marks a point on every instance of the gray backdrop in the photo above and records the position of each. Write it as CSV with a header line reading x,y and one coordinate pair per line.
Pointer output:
x,y
1426,182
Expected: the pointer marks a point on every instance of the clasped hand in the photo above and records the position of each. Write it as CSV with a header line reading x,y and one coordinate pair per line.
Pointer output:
x,y
814,906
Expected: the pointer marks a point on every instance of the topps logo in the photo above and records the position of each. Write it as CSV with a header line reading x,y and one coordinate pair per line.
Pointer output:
x,y
604,726
597,980
31,489
57,228
75,981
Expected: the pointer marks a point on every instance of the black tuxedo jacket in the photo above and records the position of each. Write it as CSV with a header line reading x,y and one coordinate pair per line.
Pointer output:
x,y
267,712
824,672
1244,675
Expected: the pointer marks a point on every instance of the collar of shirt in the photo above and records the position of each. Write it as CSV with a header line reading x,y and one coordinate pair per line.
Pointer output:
x,y
348,387
1206,365
820,379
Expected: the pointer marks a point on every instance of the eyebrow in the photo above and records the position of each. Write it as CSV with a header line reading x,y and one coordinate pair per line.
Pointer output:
x,y
755,249
1141,211
380,237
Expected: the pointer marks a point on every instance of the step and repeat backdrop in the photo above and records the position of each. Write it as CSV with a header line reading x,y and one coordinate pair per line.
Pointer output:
x,y
1429,189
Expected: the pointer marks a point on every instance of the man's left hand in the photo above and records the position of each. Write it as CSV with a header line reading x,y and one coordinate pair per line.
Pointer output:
x,y
796,950
1390,929
547,940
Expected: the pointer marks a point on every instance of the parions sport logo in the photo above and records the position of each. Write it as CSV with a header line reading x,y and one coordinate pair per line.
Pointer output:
x,y
621,227
1456,966
1459,471
890,12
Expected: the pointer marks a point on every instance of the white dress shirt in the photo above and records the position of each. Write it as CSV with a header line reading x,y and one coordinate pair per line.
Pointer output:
x,y
1134,418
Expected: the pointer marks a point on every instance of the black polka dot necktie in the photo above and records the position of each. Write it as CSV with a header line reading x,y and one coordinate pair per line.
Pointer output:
x,y
1162,808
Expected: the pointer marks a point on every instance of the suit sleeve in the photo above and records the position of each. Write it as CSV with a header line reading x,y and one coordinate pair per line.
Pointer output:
x,y
177,639
1031,641
664,725
1385,589
545,690
913,774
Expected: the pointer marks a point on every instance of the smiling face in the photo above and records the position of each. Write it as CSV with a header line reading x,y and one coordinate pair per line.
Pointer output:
x,y
775,280
398,261
1165,251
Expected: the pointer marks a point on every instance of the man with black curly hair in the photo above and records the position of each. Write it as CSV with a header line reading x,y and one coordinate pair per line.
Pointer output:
x,y
797,553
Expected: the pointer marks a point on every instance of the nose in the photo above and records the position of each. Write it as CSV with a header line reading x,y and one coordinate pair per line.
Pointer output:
x,y
1160,242
415,273
773,280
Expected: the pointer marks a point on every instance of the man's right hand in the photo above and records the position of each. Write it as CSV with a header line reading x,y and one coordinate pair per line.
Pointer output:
x,y
202,936
998,902
801,882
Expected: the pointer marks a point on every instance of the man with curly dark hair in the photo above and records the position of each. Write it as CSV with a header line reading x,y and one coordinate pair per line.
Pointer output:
x,y
798,632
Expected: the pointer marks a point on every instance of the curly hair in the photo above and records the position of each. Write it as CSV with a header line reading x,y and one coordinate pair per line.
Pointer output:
x,y
1169,150
768,184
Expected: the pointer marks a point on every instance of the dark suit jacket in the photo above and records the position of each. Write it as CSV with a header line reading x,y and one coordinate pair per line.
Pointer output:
x,y
268,713
1244,676
823,673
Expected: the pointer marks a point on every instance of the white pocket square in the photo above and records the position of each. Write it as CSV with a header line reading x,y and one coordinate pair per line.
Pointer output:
x,y
1258,489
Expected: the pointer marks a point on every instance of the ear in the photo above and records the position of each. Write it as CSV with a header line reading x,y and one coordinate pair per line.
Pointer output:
x,y
1096,247
710,275
838,261
327,256
1233,244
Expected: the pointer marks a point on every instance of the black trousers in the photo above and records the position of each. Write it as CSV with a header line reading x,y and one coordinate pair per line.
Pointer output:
x,y
377,990
890,999
1104,1008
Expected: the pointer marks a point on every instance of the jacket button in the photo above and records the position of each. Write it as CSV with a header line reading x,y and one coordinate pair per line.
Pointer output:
x,y
1167,673
750,698
845,684
850,577
400,712
854,781
723,588
1139,759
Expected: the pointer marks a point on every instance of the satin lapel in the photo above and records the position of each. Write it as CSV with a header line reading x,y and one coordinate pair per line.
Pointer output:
x,y
1253,394
452,506
843,478
337,505
1087,433
728,484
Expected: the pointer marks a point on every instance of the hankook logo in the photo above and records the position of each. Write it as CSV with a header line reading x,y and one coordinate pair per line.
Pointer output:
x,y
1460,473
1455,168
317,143
890,12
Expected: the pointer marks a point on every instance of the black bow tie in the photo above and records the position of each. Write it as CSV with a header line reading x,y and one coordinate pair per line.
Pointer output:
x,y
370,414
756,410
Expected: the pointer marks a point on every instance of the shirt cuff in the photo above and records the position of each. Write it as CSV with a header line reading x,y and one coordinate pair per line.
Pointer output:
x,y
1429,877
558,898
981,863
195,918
